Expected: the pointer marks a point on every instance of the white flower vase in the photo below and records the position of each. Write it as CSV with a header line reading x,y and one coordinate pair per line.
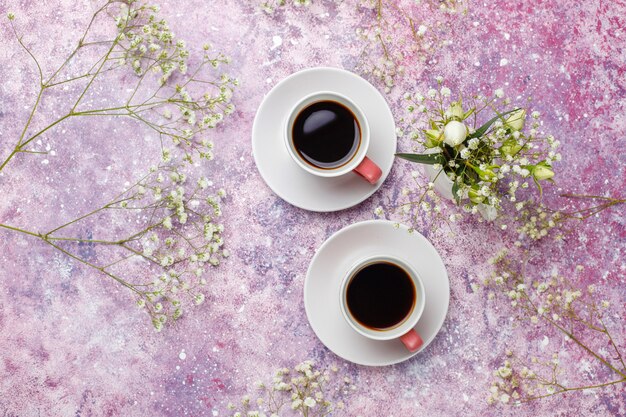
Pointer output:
x,y
442,183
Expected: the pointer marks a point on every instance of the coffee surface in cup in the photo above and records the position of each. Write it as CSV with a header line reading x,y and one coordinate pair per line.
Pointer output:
x,y
380,295
326,134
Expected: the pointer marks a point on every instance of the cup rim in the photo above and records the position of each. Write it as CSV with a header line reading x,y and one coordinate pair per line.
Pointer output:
x,y
360,153
403,327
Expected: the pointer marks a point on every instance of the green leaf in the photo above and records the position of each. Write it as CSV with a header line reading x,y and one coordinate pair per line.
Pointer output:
x,y
468,113
539,187
455,188
428,159
481,130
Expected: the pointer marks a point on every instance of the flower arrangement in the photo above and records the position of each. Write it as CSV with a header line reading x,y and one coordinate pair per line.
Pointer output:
x,y
172,237
480,151
552,302
305,390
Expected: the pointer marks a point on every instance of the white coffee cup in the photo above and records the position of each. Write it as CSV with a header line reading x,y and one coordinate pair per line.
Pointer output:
x,y
358,162
403,330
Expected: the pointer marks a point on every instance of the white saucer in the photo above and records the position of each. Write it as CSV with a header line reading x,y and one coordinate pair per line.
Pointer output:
x,y
333,260
288,180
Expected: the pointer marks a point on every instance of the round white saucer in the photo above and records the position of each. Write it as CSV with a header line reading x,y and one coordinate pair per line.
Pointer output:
x,y
333,260
284,176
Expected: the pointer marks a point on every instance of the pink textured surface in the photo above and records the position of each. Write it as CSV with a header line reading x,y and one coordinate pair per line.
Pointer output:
x,y
72,344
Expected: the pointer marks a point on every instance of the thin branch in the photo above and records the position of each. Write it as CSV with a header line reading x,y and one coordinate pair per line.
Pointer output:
x,y
606,384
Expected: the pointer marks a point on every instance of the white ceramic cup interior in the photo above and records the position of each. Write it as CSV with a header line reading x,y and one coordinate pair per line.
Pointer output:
x,y
359,154
404,326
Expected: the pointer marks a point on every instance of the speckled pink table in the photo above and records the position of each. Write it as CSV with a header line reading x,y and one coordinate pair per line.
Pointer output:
x,y
73,344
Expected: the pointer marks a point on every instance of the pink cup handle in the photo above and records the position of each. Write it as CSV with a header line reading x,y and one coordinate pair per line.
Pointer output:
x,y
369,170
412,340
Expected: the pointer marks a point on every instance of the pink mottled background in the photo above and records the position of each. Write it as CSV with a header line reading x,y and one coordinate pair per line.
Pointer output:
x,y
72,344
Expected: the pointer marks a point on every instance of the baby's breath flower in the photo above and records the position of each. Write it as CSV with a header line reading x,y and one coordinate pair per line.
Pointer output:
x,y
199,298
296,404
504,372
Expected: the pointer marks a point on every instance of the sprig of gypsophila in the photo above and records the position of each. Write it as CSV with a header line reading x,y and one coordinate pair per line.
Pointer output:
x,y
305,390
550,302
382,58
164,259
537,220
270,6
179,110
177,238
395,33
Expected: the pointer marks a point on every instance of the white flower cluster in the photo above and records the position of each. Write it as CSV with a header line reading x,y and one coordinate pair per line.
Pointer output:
x,y
270,6
535,221
304,390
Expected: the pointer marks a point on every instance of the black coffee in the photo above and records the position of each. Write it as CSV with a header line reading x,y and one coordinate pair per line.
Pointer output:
x,y
326,134
381,295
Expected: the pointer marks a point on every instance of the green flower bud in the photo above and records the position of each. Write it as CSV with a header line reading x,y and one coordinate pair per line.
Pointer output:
x,y
433,138
510,147
474,196
542,172
455,111
515,120
485,174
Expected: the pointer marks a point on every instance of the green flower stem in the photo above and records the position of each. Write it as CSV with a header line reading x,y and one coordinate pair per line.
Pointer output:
x,y
564,389
98,268
80,77
589,211
47,240
591,352
17,229
41,132
619,354
11,155
81,43
104,61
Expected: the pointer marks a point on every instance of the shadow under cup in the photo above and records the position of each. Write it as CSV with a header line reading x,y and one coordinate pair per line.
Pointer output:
x,y
382,298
